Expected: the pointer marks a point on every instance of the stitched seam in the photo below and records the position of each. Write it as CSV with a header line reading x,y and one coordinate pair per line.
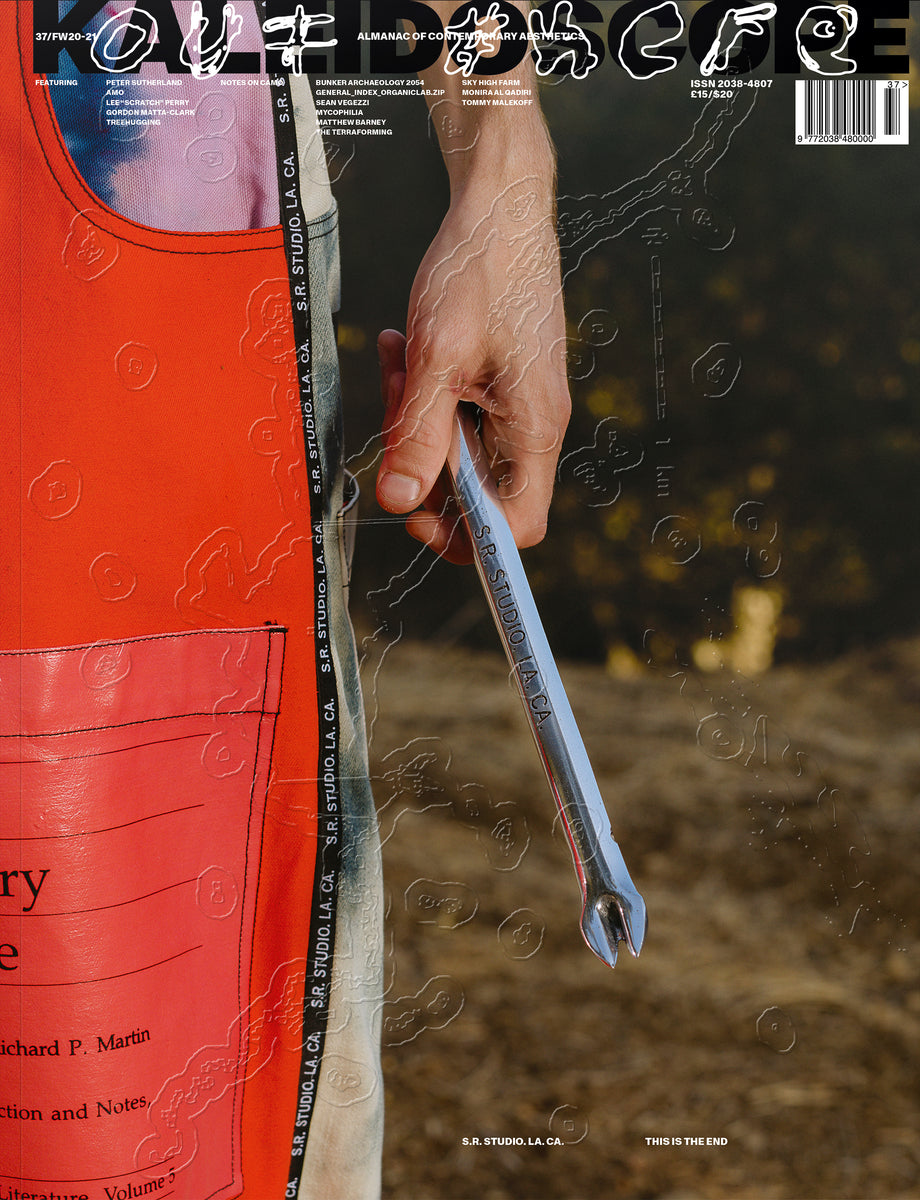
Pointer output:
x,y
273,246
247,871
144,637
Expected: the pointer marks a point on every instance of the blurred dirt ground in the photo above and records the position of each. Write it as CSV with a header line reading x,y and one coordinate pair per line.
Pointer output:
x,y
773,829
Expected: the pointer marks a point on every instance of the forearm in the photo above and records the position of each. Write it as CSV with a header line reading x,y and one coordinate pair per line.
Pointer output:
x,y
484,143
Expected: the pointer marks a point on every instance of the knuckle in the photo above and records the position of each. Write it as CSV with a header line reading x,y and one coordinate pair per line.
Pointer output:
x,y
532,532
415,431
443,352
559,410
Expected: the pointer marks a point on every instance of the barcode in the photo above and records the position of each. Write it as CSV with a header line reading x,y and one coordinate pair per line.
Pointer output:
x,y
868,111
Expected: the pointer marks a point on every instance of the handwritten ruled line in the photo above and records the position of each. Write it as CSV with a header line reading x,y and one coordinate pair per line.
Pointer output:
x,y
44,759
28,735
75,912
107,978
93,1178
59,837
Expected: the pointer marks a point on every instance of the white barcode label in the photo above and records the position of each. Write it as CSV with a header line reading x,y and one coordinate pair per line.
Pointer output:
x,y
871,112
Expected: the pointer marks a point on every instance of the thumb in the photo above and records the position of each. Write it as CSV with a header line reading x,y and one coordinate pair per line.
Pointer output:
x,y
391,353
418,434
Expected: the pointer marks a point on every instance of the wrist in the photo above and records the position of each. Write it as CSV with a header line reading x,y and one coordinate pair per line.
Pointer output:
x,y
493,152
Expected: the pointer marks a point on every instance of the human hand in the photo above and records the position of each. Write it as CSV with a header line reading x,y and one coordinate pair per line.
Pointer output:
x,y
485,325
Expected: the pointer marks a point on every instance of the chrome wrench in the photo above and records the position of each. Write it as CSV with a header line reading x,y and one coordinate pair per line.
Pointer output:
x,y
612,910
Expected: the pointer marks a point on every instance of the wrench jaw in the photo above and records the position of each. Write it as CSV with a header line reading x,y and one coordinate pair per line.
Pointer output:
x,y
610,918
613,910
602,937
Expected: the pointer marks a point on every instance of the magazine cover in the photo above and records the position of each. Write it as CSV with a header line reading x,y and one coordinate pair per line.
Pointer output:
x,y
314,316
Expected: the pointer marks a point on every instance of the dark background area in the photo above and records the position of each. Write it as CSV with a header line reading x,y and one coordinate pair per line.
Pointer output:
x,y
805,274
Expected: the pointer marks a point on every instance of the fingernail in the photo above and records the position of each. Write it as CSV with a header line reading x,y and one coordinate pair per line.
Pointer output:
x,y
401,491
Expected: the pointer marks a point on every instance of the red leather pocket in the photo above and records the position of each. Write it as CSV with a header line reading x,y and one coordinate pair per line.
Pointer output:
x,y
132,792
